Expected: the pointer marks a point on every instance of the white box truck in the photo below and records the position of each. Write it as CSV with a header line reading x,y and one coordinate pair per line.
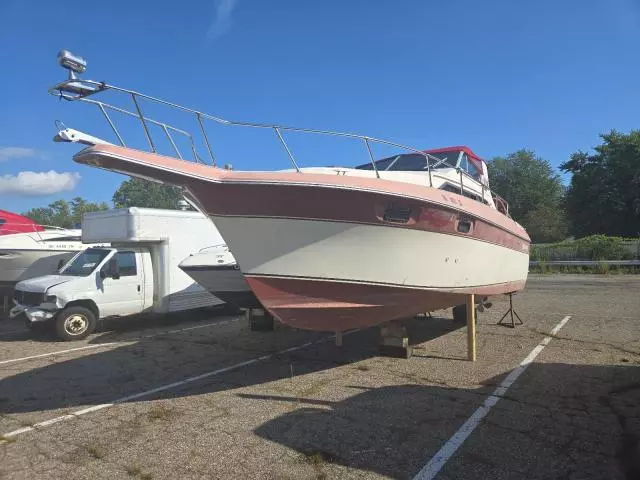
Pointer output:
x,y
137,273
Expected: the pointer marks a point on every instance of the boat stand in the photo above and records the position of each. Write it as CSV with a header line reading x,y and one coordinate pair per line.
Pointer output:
x,y
471,328
260,320
511,312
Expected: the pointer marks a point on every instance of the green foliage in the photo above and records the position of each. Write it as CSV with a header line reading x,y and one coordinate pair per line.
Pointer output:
x,y
604,194
64,214
594,247
534,192
137,192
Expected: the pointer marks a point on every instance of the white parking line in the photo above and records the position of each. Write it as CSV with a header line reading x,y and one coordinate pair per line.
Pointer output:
x,y
59,352
121,342
162,388
431,469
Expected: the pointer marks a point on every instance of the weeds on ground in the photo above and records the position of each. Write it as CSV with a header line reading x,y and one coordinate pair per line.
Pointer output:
x,y
6,440
316,459
160,412
135,471
95,452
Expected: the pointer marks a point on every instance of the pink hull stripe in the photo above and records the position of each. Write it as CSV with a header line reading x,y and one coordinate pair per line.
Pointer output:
x,y
338,306
198,176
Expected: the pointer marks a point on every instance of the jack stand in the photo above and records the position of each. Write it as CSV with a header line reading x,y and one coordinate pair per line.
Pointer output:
x,y
510,312
394,341
260,320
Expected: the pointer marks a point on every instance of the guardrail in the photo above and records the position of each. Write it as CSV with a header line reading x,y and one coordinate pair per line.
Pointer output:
x,y
587,263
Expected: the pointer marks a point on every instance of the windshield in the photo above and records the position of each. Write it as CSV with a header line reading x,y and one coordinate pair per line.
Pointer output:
x,y
85,262
413,162
451,158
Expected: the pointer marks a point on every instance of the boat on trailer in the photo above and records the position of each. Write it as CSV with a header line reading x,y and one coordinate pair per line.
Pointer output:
x,y
335,248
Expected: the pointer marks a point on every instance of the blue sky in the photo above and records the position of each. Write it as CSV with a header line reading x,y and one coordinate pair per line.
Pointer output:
x,y
495,75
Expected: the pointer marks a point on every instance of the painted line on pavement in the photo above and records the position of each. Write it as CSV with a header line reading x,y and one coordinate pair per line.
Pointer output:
x,y
162,388
431,469
121,342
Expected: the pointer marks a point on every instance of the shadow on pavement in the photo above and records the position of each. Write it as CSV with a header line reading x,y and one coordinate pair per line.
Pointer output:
x,y
557,421
99,376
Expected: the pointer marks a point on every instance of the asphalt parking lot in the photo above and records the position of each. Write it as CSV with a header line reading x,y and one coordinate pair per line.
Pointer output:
x,y
202,396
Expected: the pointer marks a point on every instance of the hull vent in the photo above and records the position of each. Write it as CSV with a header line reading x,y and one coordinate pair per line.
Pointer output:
x,y
396,214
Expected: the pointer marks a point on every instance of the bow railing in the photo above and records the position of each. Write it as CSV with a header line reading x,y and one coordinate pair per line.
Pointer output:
x,y
80,89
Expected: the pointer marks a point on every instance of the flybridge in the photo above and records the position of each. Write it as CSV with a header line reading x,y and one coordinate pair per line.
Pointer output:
x,y
470,168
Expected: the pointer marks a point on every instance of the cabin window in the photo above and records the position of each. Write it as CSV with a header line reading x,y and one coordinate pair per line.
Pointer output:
x,y
127,264
380,164
2,221
468,166
450,159
410,163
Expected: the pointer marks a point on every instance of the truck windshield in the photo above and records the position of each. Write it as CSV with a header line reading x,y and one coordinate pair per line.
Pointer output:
x,y
85,262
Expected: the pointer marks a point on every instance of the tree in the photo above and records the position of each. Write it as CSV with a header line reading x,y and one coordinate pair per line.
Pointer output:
x,y
64,214
534,192
137,192
604,193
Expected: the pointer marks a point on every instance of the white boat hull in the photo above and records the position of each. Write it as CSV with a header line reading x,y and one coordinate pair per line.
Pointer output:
x,y
18,265
382,255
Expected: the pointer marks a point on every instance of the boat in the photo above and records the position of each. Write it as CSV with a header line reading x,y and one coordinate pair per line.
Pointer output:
x,y
216,269
336,248
28,249
11,223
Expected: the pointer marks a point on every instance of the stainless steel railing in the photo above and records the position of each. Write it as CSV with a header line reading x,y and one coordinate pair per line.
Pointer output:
x,y
80,89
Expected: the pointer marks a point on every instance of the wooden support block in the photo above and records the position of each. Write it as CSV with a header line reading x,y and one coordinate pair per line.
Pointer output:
x,y
260,320
338,339
394,341
471,328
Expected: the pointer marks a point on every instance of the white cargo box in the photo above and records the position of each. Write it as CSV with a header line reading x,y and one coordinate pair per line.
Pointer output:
x,y
134,224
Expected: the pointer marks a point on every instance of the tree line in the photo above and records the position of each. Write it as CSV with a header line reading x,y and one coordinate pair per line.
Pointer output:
x,y
602,196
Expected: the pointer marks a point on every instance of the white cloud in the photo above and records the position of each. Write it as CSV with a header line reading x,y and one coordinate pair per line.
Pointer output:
x,y
221,22
8,153
36,184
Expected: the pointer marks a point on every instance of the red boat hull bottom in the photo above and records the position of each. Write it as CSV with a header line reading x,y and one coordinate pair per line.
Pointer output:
x,y
338,306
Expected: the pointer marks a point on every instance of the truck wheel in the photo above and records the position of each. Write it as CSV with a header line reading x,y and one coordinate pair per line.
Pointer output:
x,y
75,323
460,314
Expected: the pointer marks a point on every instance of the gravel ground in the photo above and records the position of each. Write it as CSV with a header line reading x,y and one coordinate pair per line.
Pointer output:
x,y
201,396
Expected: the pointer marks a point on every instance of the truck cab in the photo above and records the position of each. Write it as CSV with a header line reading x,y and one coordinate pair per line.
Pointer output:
x,y
97,283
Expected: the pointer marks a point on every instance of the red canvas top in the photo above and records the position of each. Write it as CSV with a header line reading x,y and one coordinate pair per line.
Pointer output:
x,y
477,161
14,223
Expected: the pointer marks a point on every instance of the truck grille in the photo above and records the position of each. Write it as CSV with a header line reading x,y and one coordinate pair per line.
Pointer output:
x,y
28,299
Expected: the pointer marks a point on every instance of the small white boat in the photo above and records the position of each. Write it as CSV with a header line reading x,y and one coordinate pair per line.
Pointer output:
x,y
215,269
30,250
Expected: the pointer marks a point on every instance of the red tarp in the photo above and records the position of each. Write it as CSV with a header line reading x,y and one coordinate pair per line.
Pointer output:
x,y
14,223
